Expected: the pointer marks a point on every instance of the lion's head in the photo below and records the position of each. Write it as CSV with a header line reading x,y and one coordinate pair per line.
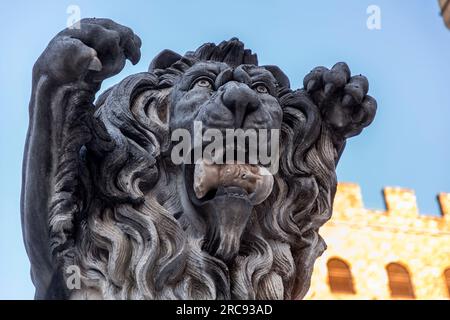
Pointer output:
x,y
157,229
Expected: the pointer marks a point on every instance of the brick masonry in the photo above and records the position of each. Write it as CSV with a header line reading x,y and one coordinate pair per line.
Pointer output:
x,y
368,240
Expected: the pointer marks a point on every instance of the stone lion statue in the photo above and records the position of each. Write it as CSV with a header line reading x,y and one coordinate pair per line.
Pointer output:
x,y
102,196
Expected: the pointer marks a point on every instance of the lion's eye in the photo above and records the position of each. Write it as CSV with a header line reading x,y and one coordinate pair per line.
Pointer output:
x,y
260,88
203,83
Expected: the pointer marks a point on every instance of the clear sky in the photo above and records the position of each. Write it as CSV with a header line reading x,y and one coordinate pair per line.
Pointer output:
x,y
407,63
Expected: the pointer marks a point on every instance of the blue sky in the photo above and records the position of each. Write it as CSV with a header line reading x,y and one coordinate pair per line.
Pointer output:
x,y
407,63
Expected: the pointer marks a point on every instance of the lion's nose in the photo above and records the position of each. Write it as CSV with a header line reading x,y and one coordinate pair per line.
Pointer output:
x,y
240,100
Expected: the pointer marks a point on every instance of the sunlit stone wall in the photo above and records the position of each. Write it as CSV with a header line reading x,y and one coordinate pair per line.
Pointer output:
x,y
368,240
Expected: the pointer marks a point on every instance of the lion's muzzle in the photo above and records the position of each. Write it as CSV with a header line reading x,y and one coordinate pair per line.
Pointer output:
x,y
224,195
256,181
240,100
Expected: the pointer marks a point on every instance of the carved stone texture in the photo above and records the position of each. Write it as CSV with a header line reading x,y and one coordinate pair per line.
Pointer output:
x,y
102,196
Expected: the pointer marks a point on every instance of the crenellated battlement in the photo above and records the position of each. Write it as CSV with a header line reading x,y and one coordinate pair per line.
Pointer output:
x,y
400,201
401,209
367,241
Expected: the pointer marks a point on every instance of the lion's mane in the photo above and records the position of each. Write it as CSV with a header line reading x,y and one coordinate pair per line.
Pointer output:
x,y
129,241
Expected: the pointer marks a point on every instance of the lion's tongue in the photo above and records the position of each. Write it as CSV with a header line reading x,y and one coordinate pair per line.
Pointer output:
x,y
238,187
256,181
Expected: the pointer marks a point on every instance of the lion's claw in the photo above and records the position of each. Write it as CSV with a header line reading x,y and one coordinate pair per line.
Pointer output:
x,y
335,78
356,89
313,80
342,99
95,65
92,53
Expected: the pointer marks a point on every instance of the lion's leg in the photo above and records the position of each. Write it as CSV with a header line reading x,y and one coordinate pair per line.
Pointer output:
x,y
65,79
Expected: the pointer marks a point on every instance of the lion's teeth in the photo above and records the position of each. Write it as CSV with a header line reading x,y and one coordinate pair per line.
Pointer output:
x,y
258,183
205,178
198,179
263,188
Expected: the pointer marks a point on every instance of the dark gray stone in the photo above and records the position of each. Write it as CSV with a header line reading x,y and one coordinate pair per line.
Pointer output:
x,y
101,193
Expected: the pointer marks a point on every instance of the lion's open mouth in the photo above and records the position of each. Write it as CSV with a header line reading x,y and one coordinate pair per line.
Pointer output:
x,y
237,180
224,196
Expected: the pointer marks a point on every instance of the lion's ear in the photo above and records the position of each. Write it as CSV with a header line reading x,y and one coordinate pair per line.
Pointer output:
x,y
164,60
279,75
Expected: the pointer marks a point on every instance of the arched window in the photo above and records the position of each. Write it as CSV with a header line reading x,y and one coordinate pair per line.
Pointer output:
x,y
399,281
340,277
447,280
